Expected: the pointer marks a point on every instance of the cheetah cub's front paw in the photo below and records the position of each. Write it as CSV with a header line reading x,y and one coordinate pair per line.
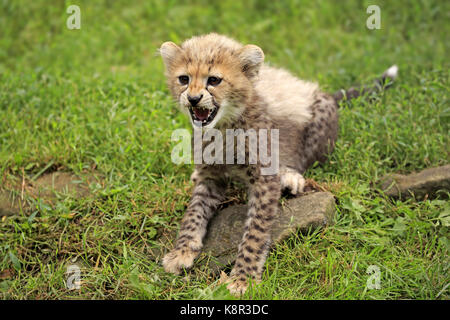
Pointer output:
x,y
194,176
292,180
237,286
179,258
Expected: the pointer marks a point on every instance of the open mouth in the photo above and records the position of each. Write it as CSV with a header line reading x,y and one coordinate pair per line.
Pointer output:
x,y
202,116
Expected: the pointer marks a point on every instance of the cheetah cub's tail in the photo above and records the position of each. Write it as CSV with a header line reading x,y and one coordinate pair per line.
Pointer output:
x,y
385,81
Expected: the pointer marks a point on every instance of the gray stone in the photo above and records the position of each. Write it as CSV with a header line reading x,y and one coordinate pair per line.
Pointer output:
x,y
424,183
298,214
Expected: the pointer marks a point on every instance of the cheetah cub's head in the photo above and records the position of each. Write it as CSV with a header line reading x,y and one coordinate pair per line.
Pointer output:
x,y
211,77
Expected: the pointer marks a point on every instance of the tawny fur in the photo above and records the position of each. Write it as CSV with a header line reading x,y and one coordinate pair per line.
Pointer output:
x,y
251,95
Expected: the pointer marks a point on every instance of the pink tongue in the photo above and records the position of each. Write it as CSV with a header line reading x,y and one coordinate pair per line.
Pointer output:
x,y
201,114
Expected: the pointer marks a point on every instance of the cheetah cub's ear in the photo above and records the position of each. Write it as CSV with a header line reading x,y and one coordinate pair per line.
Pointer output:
x,y
252,58
169,51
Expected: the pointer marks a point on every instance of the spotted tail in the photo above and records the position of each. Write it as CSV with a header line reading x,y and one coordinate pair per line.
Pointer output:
x,y
380,84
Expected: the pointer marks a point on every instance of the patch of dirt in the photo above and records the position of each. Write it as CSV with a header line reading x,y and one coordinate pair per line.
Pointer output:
x,y
47,187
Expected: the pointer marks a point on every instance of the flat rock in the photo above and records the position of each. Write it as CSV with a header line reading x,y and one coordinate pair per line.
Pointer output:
x,y
424,183
298,214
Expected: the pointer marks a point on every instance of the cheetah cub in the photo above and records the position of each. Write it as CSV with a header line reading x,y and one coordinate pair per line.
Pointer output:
x,y
221,84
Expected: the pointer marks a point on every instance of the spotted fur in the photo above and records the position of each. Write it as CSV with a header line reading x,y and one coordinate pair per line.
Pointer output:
x,y
251,95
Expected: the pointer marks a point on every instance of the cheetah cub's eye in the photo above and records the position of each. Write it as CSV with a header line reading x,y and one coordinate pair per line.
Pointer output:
x,y
214,81
183,80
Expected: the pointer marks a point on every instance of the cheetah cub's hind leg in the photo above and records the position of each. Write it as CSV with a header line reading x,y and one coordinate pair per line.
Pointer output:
x,y
292,180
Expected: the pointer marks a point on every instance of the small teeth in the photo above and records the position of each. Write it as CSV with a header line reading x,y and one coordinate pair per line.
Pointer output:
x,y
204,121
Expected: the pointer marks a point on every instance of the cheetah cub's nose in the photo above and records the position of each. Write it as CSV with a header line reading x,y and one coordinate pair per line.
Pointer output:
x,y
194,100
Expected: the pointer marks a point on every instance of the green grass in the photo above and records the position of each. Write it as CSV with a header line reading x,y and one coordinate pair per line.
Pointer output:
x,y
96,98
